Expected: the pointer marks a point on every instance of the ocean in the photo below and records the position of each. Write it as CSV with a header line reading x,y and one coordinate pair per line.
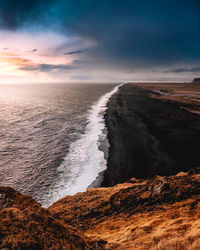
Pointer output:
x,y
53,138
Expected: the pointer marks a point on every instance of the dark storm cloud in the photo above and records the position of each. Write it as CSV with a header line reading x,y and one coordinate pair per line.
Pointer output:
x,y
129,34
73,52
138,34
14,13
46,67
195,69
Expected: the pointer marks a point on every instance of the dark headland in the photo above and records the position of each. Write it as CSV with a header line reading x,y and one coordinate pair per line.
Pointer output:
x,y
149,135
196,80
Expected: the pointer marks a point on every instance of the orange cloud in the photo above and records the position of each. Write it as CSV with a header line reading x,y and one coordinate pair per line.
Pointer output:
x,y
27,68
12,59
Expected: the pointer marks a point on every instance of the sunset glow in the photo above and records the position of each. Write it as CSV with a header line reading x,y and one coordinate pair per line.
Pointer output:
x,y
34,57
64,41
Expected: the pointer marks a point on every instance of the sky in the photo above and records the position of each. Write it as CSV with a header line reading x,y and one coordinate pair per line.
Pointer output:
x,y
99,40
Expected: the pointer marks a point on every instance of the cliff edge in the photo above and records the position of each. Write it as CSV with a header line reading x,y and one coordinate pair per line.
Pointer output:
x,y
156,213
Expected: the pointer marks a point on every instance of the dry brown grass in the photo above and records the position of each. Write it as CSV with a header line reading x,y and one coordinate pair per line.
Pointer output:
x,y
183,93
24,224
161,213
174,227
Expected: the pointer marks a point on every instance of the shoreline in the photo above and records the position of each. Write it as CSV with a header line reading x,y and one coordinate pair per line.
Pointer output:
x,y
86,158
148,136
103,139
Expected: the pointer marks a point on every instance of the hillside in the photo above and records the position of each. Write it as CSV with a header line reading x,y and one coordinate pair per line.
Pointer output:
x,y
157,213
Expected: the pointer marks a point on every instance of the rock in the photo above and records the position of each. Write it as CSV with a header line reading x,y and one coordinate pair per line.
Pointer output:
x,y
196,80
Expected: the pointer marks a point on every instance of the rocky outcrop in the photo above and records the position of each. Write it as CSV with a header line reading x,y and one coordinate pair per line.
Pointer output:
x,y
196,80
156,213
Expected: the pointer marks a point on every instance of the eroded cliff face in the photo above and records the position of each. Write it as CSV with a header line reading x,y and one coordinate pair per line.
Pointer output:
x,y
156,213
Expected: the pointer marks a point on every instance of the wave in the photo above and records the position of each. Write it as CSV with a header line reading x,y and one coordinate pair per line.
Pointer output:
x,y
85,161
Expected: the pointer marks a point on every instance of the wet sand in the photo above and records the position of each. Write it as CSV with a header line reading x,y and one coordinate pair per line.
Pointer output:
x,y
153,129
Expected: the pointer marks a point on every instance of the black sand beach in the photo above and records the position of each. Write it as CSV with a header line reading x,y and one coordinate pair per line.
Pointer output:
x,y
149,136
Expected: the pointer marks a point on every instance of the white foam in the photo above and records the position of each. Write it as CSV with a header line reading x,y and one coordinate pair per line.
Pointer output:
x,y
85,161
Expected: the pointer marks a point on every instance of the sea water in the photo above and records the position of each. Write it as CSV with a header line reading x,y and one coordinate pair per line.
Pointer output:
x,y
53,138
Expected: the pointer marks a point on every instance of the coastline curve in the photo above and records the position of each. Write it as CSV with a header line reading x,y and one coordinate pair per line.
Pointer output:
x,y
85,162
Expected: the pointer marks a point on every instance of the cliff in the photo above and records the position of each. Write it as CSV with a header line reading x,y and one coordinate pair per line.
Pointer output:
x,y
196,80
156,213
